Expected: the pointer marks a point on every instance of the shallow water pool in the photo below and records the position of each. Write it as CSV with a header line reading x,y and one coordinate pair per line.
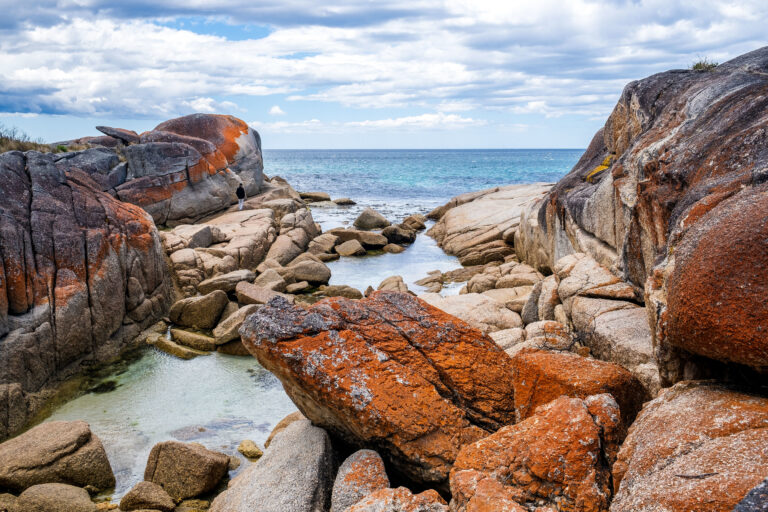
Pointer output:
x,y
215,400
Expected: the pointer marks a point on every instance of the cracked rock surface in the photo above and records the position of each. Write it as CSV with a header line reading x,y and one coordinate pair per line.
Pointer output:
x,y
390,372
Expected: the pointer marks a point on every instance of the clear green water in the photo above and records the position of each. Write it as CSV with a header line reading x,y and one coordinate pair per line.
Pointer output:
x,y
216,400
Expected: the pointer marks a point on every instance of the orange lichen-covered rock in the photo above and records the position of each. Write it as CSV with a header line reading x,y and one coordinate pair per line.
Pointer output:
x,y
363,473
541,376
240,145
699,446
400,500
81,274
720,310
388,371
558,457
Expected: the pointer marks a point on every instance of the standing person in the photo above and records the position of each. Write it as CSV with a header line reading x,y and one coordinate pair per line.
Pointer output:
x,y
240,196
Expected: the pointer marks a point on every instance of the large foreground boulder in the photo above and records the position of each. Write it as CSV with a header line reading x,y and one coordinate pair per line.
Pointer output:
x,y
81,275
698,447
295,473
389,371
560,457
64,452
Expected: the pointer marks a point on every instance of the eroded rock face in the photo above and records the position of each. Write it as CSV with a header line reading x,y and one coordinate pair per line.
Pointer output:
x,y
81,274
699,446
65,452
669,191
182,170
559,457
388,371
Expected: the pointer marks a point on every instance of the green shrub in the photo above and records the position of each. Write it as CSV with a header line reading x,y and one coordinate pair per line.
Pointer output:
x,y
704,65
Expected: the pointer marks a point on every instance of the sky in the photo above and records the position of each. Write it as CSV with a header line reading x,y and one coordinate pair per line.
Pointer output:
x,y
357,73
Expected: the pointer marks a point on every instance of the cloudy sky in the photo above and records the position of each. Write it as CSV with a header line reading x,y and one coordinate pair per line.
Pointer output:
x,y
354,74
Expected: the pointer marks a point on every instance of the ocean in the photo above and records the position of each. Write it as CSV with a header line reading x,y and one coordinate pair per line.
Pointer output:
x,y
406,180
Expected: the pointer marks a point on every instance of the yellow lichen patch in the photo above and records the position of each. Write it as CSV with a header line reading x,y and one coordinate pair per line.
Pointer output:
x,y
600,168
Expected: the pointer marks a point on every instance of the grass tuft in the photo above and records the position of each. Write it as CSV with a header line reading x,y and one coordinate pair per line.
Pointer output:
x,y
13,139
704,65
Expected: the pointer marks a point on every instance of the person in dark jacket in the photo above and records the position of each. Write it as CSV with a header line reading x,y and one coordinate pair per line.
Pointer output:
x,y
240,196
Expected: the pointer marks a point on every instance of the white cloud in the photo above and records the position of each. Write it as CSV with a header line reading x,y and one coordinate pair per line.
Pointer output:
x,y
544,57
276,111
436,122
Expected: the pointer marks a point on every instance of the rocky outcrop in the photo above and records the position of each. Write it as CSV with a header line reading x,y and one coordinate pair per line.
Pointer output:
x,y
81,275
181,170
389,372
560,458
699,446
479,227
295,473
668,191
56,452
481,312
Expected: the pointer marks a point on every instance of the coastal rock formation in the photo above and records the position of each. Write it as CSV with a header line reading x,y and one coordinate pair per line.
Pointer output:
x,y
699,446
370,219
390,372
180,171
64,452
81,275
295,473
560,457
479,226
479,311
363,473
672,187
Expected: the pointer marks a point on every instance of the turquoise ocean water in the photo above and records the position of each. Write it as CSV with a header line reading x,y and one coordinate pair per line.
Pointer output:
x,y
415,177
